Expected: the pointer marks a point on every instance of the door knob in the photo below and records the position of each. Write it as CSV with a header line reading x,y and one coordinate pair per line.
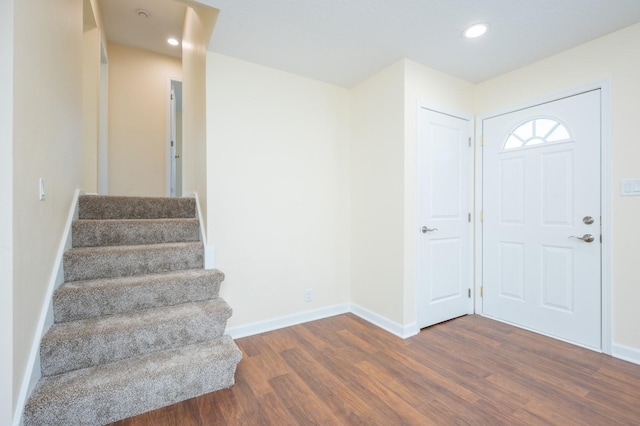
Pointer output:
x,y
588,220
425,229
587,238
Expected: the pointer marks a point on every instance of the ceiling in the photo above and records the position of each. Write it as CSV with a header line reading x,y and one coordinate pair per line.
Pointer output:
x,y
344,41
125,26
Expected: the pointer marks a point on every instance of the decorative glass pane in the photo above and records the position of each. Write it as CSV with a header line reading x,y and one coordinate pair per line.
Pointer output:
x,y
534,141
544,126
559,134
513,142
537,131
525,131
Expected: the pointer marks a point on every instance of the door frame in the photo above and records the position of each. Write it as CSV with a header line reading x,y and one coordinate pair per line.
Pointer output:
x,y
606,180
170,156
417,233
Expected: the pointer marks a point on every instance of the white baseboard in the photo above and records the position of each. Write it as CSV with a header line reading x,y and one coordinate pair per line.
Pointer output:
x,y
402,331
626,353
392,327
45,321
286,321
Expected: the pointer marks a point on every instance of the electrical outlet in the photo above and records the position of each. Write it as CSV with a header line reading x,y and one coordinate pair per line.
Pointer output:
x,y
308,295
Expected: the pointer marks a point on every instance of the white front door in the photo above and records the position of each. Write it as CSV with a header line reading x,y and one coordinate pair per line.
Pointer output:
x,y
541,218
444,217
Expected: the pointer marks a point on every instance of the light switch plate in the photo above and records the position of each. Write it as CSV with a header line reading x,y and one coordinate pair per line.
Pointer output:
x,y
630,187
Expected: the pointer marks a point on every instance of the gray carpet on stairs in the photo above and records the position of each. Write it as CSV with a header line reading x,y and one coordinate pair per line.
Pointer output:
x,y
89,263
112,232
107,296
111,392
85,343
110,207
138,322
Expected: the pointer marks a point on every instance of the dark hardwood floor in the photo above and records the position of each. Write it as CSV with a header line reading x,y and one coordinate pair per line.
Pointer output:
x,y
468,371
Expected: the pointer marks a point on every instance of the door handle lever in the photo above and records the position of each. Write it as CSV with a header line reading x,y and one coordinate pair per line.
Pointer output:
x,y
587,238
425,229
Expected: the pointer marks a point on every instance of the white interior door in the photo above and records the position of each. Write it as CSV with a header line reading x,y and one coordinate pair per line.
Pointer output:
x,y
172,154
541,190
444,234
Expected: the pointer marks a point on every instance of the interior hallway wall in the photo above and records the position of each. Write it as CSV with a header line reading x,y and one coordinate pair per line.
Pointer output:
x,y
278,173
47,143
138,99
377,193
6,214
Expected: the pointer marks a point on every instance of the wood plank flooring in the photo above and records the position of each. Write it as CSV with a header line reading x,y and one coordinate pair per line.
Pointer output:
x,y
468,371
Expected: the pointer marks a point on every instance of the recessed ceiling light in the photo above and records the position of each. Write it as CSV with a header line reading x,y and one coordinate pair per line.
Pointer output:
x,y
173,42
475,30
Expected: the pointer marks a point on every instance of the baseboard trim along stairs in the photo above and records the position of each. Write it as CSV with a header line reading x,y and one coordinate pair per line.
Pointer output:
x,y
138,321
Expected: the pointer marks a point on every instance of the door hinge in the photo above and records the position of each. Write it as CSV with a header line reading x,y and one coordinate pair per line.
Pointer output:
x,y
481,215
171,143
482,291
469,141
469,293
600,238
469,217
482,140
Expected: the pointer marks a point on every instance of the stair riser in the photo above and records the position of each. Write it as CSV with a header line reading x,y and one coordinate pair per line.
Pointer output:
x,y
133,232
112,393
105,207
89,299
82,264
95,344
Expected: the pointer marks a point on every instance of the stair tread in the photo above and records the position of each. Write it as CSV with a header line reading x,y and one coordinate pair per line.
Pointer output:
x,y
132,247
119,207
109,323
112,232
137,279
86,263
76,300
110,392
83,343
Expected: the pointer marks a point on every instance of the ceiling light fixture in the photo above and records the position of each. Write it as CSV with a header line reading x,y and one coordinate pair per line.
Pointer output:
x,y
475,30
173,42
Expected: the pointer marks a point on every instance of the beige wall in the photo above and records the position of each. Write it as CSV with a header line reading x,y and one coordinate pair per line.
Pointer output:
x,y
198,27
6,214
47,142
278,173
90,108
138,140
377,134
616,56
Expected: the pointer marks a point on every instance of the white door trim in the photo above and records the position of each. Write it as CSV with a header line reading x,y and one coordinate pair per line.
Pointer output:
x,y
463,116
170,156
606,185
103,126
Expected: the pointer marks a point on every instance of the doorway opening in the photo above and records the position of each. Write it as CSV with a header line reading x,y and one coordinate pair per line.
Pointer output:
x,y
175,138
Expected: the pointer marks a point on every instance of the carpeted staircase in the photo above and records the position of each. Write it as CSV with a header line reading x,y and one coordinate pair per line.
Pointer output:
x,y
138,323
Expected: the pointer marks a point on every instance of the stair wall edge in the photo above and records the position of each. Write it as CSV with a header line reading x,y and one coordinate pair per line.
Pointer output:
x,y
33,373
209,248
